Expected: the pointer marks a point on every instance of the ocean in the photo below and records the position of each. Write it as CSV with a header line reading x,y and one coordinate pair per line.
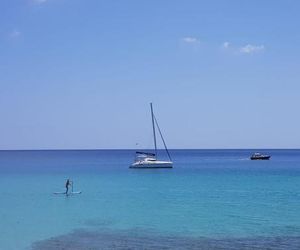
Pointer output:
x,y
211,199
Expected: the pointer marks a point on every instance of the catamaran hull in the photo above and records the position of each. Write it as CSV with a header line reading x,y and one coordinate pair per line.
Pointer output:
x,y
152,165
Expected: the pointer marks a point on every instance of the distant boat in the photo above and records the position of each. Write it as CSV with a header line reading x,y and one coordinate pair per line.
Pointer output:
x,y
149,160
259,156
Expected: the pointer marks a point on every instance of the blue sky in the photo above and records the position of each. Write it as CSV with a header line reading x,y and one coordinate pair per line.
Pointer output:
x,y
81,74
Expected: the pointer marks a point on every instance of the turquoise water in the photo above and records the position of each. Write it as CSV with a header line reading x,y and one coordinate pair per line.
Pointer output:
x,y
215,194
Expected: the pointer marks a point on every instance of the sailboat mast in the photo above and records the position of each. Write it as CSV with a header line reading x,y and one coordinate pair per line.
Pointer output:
x,y
153,127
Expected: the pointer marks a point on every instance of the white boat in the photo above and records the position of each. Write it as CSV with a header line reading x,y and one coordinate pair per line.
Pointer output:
x,y
149,160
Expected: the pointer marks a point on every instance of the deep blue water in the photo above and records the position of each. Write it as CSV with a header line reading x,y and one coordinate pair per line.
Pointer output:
x,y
211,199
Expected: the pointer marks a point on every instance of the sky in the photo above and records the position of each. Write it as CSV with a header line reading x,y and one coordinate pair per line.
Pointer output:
x,y
80,74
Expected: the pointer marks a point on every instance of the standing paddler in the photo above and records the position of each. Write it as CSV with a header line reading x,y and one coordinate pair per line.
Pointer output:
x,y
68,183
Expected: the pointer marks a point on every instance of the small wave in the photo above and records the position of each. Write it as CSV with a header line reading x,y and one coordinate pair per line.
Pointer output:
x,y
244,159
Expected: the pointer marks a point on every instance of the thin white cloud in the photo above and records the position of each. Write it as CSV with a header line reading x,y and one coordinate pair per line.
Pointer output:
x,y
249,49
15,34
190,39
226,45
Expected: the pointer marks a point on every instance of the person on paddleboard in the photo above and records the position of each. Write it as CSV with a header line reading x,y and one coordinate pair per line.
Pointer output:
x,y
68,183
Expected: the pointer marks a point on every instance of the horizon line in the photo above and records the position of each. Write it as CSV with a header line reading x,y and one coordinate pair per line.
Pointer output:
x,y
98,149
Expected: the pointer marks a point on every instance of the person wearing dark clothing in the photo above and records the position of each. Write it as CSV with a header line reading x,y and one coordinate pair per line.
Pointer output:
x,y
68,183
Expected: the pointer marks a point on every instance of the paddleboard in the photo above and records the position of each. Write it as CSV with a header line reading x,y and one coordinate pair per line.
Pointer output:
x,y
72,192
77,192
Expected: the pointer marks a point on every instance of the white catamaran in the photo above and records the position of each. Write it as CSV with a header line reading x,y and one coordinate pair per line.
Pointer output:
x,y
149,160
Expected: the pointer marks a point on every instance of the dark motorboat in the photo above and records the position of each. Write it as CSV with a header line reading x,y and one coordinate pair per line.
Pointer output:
x,y
259,156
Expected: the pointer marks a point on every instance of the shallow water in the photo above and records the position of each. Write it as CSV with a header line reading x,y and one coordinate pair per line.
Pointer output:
x,y
214,197
96,240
